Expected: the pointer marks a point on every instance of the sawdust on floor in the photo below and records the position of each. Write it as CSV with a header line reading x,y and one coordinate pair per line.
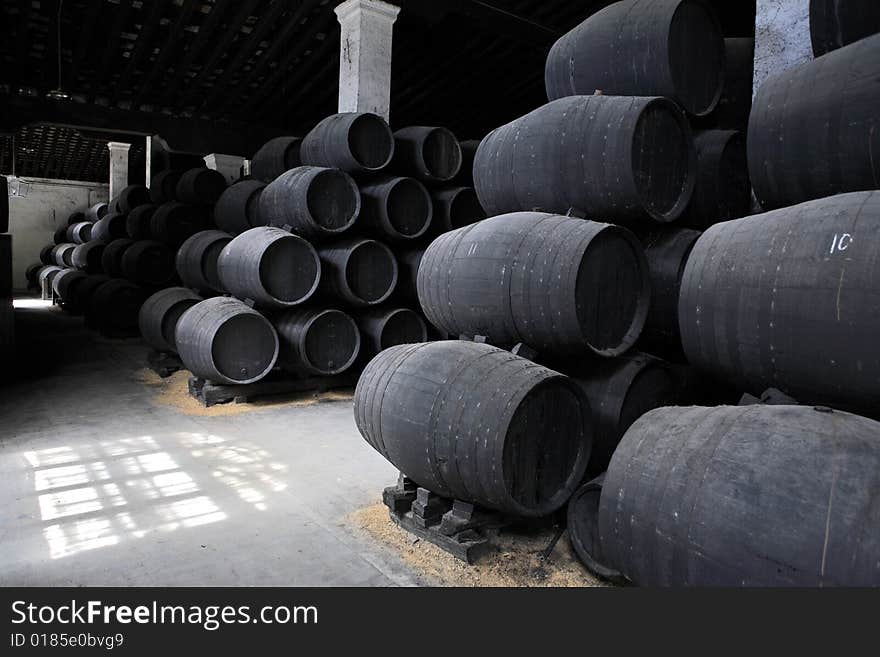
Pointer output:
x,y
173,392
517,561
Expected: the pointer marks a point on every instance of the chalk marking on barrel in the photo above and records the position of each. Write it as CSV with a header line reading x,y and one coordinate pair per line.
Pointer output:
x,y
839,288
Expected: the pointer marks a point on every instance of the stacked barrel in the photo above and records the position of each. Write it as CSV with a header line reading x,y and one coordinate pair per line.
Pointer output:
x,y
593,264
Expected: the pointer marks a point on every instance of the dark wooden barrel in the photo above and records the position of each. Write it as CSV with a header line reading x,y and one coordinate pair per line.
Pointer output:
x,y
671,48
46,275
353,142
358,272
465,175
271,267
133,196
62,254
317,341
583,530
31,273
88,257
46,254
200,186
744,496
60,235
732,112
476,423
427,153
76,218
667,251
314,202
80,232
395,208
173,223
80,295
560,285
197,260
65,285
237,209
223,340
96,211
158,317
149,263
139,220
275,157
612,158
455,207
814,130
163,186
111,258
115,304
408,272
620,391
788,299
386,327
838,23
722,189
111,226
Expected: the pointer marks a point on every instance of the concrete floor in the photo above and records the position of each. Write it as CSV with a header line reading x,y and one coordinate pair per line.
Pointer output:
x,y
100,485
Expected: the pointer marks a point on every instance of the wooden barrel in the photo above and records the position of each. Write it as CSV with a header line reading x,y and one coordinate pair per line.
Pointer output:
x,y
386,327
814,130
115,304
60,235
788,299
472,422
358,272
163,186
583,530
64,286
744,496
62,254
353,142
667,251
47,275
455,207
149,263
722,190
87,257
197,260
80,294
133,196
111,226
558,284
96,211
76,218
732,112
80,233
396,209
173,223
671,48
139,221
200,186
465,175
612,158
427,153
838,23
270,266
31,273
237,209
408,273
158,317
275,157
620,391
314,202
223,340
46,254
317,341
111,258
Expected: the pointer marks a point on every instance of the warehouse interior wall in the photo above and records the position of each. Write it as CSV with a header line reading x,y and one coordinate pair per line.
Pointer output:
x,y
37,206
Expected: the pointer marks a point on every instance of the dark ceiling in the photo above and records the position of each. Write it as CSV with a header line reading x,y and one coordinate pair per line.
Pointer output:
x,y
234,72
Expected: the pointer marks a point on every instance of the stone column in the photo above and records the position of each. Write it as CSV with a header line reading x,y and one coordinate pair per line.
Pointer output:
x,y
782,37
365,56
228,165
118,167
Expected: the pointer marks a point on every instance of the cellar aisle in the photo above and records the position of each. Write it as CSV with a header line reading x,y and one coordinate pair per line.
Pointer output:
x,y
104,484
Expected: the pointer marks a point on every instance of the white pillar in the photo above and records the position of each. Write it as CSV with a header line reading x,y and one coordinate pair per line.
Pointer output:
x,y
118,167
365,56
782,37
228,165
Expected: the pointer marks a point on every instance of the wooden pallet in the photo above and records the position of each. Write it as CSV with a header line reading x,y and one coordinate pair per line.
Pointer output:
x,y
164,363
209,393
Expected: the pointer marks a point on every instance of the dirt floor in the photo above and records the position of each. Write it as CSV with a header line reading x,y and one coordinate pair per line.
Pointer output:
x,y
516,562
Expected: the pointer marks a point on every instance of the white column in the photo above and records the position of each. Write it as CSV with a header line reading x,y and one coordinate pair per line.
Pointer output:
x,y
118,167
365,56
782,37
228,165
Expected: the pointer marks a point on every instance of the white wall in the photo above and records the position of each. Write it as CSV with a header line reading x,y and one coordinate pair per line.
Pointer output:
x,y
782,37
37,206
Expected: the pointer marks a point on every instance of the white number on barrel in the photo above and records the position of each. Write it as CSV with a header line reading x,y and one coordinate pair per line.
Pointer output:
x,y
841,242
